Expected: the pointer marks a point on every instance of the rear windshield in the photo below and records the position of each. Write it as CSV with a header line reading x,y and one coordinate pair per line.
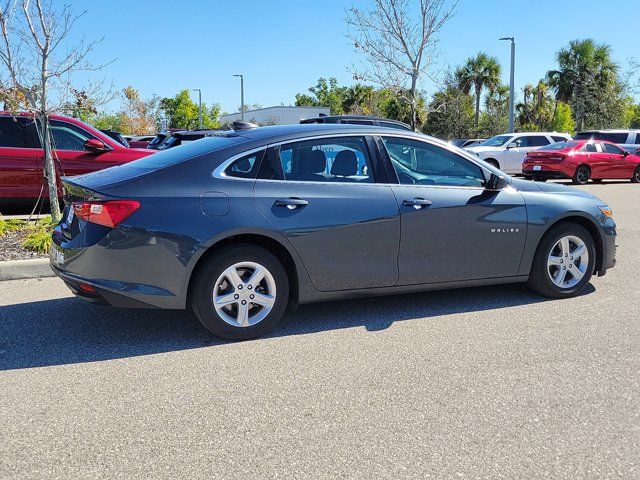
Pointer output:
x,y
608,136
560,145
164,158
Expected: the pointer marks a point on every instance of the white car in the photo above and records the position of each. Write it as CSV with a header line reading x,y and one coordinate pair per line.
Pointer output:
x,y
508,151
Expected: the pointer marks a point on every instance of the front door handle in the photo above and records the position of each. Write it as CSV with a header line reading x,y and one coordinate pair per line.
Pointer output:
x,y
291,203
417,203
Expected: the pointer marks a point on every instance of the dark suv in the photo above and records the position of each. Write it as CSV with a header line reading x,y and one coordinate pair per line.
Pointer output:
x,y
359,120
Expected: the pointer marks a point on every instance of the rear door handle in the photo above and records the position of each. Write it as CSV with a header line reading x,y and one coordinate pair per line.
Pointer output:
x,y
291,203
417,203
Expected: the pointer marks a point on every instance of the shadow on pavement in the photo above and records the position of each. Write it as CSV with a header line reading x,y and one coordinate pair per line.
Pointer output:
x,y
68,330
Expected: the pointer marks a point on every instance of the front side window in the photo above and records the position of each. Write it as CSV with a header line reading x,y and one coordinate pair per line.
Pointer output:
x,y
521,142
14,132
422,163
609,148
340,159
497,141
66,136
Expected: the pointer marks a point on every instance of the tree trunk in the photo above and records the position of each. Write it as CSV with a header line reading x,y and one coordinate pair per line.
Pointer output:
x,y
477,107
45,140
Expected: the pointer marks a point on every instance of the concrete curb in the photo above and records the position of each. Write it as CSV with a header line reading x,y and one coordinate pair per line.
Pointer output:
x,y
31,268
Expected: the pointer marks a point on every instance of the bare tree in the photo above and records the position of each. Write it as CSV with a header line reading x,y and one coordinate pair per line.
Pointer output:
x,y
38,67
399,44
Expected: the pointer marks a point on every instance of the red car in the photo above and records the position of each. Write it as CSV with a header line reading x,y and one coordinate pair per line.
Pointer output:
x,y
582,160
79,148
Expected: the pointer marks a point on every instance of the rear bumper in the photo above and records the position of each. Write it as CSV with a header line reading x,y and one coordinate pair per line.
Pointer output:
x,y
548,173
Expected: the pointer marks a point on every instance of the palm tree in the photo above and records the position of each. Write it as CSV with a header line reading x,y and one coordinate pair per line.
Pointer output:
x,y
479,72
585,68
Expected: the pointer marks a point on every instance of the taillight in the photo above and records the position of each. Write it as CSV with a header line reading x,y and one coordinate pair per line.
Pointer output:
x,y
110,213
557,158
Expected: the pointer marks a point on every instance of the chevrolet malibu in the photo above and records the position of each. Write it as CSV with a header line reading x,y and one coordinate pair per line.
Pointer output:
x,y
242,225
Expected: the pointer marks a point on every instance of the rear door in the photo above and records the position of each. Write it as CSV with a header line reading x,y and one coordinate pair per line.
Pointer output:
x,y
19,175
323,195
453,228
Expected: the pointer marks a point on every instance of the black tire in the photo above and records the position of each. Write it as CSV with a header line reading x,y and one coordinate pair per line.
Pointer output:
x,y
539,277
493,162
581,175
204,286
596,180
636,175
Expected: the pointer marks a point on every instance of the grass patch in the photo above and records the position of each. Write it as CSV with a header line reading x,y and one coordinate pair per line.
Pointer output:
x,y
11,225
39,237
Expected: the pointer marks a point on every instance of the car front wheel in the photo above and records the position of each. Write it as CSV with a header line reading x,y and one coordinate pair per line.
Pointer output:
x,y
240,293
564,261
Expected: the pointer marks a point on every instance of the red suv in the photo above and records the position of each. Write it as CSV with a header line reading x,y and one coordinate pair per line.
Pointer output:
x,y
79,148
582,160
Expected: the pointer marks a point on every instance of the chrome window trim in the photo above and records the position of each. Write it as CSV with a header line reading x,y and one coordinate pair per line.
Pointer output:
x,y
218,173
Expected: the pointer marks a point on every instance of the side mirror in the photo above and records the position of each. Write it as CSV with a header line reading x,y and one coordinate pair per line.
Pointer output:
x,y
512,145
496,182
95,146
625,153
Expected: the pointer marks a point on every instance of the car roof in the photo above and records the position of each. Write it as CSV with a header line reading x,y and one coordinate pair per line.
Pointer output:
x,y
610,130
302,129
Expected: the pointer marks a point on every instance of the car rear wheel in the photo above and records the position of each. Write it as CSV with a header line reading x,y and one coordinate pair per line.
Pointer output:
x,y
636,175
581,175
240,293
493,162
564,261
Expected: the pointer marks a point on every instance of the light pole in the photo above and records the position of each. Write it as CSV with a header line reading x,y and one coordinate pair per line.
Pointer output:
x,y
241,96
511,82
199,106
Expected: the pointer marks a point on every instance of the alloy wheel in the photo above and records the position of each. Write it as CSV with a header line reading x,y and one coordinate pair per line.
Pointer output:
x,y
244,294
582,174
568,261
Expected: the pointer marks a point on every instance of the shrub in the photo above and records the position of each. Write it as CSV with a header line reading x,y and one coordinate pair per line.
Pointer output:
x,y
11,225
39,237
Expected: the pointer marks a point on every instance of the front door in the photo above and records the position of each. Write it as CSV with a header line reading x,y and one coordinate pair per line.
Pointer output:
x,y
453,228
617,165
323,196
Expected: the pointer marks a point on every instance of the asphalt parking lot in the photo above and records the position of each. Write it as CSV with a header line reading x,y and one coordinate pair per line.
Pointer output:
x,y
477,383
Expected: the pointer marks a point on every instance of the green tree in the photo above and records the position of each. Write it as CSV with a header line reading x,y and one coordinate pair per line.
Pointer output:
x,y
182,112
495,118
479,72
324,94
562,120
451,113
587,79
536,110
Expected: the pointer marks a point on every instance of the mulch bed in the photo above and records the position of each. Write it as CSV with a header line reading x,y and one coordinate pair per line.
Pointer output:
x,y
11,247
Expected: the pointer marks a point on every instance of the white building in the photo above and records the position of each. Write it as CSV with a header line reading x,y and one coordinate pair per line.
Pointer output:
x,y
276,115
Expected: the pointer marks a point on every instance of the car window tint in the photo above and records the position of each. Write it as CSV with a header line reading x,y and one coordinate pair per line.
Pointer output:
x,y
422,163
538,141
245,167
521,142
590,147
66,136
13,132
341,159
557,138
609,148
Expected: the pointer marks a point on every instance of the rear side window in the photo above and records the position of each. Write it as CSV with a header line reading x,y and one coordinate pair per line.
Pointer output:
x,y
245,167
340,159
558,139
590,147
14,133
612,137
538,141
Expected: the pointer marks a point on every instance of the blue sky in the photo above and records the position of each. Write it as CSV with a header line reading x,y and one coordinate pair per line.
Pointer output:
x,y
283,46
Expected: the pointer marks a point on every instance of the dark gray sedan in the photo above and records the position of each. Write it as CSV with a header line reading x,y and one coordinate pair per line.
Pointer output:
x,y
242,225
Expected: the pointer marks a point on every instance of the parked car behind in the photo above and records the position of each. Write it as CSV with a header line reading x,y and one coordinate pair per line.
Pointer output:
x,y
117,136
183,137
139,141
241,225
508,151
467,142
359,120
581,160
626,139
79,148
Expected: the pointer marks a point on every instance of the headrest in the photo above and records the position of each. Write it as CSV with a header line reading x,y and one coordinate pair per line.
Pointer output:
x,y
345,164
